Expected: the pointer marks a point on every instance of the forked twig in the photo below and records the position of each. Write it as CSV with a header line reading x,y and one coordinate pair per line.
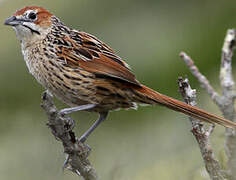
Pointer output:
x,y
226,101
201,134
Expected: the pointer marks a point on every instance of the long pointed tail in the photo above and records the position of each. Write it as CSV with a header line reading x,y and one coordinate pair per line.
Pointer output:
x,y
153,97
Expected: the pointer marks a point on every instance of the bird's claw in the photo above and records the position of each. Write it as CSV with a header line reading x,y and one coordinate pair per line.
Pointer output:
x,y
66,163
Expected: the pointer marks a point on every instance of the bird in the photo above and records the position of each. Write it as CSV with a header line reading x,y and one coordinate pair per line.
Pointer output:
x,y
85,73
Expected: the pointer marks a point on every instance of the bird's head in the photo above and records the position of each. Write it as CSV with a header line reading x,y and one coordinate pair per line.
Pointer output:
x,y
30,23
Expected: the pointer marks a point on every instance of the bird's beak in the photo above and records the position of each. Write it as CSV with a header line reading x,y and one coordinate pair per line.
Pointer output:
x,y
12,21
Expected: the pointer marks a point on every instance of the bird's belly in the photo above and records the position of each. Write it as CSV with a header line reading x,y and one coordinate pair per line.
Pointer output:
x,y
70,89
91,94
77,87
68,98
72,86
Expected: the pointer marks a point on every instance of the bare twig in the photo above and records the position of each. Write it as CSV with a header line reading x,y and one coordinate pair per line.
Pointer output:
x,y
226,101
201,78
228,97
202,136
76,151
226,78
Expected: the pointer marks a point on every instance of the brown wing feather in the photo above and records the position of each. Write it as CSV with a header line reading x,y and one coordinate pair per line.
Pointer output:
x,y
108,67
94,56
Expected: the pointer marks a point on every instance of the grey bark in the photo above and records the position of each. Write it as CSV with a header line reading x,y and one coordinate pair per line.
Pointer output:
x,y
201,133
62,128
226,101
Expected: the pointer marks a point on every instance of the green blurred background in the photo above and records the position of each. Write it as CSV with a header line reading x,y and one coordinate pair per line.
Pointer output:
x,y
151,143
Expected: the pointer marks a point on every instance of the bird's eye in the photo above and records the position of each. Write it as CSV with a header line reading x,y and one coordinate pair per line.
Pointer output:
x,y
32,16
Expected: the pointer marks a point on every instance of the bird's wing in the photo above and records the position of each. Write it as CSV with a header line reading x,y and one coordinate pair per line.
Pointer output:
x,y
92,55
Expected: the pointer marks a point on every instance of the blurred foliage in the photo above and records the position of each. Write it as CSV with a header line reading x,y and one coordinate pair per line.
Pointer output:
x,y
151,143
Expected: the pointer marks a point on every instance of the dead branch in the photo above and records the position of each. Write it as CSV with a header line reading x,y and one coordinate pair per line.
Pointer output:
x,y
201,134
76,152
226,101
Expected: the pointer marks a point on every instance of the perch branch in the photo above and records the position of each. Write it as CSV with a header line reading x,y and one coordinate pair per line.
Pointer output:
x,y
226,101
76,152
201,134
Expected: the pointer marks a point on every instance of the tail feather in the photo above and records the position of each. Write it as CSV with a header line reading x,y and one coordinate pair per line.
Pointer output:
x,y
153,97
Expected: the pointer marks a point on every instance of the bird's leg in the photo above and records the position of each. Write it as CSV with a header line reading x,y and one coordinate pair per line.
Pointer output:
x,y
65,111
77,108
102,117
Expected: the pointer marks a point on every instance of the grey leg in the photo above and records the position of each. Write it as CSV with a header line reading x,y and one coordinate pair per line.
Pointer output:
x,y
77,108
102,117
